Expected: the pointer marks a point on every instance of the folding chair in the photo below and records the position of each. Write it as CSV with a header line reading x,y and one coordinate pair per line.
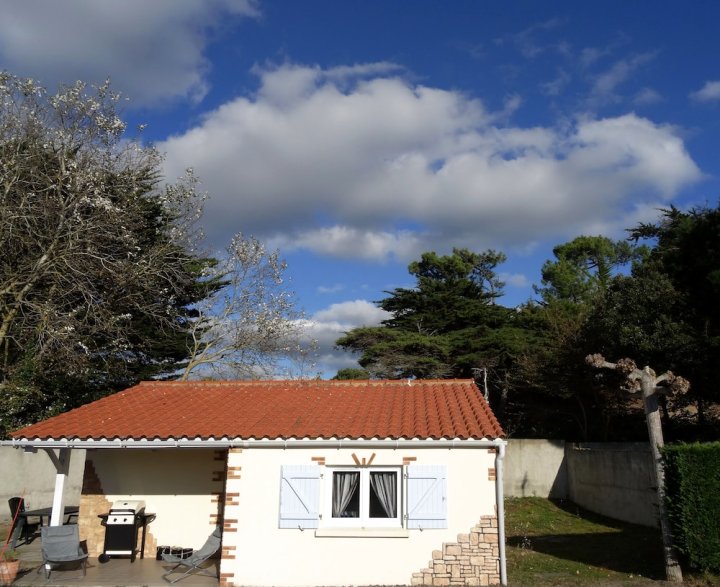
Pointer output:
x,y
19,519
195,560
60,546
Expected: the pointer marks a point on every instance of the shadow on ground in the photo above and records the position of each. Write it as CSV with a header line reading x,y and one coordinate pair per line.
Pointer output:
x,y
610,544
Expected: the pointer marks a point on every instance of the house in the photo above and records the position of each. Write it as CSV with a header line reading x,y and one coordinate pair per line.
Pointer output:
x,y
314,482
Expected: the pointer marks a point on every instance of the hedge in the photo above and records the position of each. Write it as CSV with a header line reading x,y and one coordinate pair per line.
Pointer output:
x,y
692,474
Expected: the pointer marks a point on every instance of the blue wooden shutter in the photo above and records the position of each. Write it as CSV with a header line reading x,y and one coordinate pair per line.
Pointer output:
x,y
427,496
300,496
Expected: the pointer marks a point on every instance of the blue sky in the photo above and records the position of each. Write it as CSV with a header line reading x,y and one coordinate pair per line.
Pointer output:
x,y
353,136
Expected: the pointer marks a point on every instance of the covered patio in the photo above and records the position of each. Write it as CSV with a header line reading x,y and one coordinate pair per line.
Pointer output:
x,y
118,571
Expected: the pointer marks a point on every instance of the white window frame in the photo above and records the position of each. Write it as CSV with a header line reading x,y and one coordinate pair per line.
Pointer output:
x,y
364,521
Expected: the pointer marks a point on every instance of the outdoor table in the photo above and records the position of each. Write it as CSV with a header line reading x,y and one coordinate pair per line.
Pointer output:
x,y
70,510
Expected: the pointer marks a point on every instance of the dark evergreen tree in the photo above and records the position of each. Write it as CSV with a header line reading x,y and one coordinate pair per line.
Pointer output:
x,y
666,314
448,325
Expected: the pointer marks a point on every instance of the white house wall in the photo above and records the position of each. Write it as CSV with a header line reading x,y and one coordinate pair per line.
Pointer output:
x,y
181,486
257,552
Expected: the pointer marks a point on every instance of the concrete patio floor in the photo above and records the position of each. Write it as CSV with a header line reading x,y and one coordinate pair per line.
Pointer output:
x,y
114,573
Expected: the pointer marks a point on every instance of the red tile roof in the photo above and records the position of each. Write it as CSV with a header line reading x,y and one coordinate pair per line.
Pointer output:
x,y
279,409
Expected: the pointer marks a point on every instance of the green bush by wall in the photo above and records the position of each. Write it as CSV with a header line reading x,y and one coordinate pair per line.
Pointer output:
x,y
692,473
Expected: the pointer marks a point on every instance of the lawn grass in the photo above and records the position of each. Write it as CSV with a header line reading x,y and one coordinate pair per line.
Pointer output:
x,y
558,543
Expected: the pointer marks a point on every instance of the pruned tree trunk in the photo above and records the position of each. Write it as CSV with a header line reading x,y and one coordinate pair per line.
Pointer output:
x,y
673,571
645,382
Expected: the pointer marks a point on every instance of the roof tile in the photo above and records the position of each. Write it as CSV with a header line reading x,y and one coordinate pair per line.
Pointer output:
x,y
448,408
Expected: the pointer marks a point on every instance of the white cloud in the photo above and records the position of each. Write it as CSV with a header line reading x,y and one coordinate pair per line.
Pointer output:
x,y
150,50
606,83
590,55
644,213
351,314
351,72
347,242
330,363
647,96
515,279
526,40
710,92
376,166
330,289
326,326
556,86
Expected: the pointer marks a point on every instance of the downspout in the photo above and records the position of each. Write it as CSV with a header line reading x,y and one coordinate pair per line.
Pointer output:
x,y
500,502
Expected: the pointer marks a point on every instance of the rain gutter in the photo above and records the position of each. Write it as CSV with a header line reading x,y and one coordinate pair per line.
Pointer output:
x,y
31,444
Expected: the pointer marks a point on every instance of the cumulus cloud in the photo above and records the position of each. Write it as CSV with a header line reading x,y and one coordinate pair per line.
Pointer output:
x,y
326,326
515,279
347,242
710,92
373,166
150,50
616,228
351,314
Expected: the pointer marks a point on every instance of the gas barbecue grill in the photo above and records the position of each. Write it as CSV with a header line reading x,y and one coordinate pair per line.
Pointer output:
x,y
121,529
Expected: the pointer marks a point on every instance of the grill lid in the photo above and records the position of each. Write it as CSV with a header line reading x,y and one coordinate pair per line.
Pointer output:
x,y
127,506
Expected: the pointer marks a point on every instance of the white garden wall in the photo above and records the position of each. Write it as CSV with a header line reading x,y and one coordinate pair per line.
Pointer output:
x,y
610,478
32,475
535,468
615,480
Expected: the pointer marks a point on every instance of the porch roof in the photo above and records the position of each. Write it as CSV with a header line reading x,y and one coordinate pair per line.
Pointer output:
x,y
280,410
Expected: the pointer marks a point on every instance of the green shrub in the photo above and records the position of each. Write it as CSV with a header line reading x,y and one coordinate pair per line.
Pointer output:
x,y
693,501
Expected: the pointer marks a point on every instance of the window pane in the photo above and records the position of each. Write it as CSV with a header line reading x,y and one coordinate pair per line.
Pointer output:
x,y
383,495
346,495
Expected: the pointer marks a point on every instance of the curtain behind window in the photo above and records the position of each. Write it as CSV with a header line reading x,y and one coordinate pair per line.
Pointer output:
x,y
385,487
344,486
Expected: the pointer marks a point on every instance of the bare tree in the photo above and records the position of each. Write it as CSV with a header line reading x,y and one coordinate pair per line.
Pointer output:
x,y
246,327
102,277
645,383
91,242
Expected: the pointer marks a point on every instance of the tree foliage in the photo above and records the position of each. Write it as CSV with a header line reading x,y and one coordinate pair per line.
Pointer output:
x,y
584,267
666,313
351,373
655,302
245,327
448,325
565,398
451,292
102,278
662,313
